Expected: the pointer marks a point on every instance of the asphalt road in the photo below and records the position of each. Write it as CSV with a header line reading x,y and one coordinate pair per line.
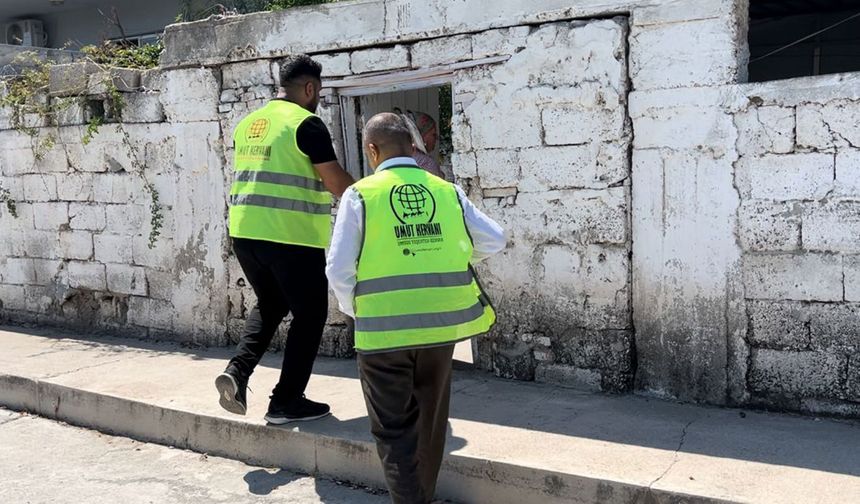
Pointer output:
x,y
42,461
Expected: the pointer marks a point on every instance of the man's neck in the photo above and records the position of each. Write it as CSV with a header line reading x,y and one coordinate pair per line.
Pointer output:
x,y
392,161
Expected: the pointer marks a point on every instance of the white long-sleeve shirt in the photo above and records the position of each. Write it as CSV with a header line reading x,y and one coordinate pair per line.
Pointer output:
x,y
488,238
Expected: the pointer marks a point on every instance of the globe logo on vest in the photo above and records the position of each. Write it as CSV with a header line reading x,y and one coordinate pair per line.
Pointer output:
x,y
415,207
257,130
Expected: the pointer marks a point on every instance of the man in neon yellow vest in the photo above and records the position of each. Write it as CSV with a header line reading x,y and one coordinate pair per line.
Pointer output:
x,y
399,264
280,224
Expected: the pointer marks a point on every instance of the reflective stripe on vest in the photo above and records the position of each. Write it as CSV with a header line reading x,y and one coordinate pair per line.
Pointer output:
x,y
278,178
280,203
416,281
277,195
414,287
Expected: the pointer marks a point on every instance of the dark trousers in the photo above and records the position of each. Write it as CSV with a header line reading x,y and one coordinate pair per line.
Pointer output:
x,y
407,393
286,279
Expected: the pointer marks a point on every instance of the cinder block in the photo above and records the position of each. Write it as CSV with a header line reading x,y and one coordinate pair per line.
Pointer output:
x,y
193,95
441,51
50,216
498,168
376,60
809,277
49,271
832,227
465,164
765,130
142,108
246,74
780,325
835,327
797,374
76,245
573,125
124,279
593,166
75,187
16,161
807,176
499,42
334,65
12,297
87,217
825,127
152,313
769,226
70,79
42,187
161,284
125,219
848,172
854,379
852,278
17,271
111,248
87,275
708,55
42,244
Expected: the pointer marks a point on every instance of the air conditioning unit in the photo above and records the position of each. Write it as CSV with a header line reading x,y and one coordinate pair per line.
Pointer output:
x,y
26,32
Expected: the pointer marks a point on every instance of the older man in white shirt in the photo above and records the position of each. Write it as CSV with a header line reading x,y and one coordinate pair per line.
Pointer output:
x,y
399,264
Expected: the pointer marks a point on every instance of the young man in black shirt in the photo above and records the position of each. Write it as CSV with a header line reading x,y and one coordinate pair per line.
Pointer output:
x,y
280,229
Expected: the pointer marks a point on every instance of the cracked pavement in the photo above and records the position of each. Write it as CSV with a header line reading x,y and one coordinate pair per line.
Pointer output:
x,y
43,461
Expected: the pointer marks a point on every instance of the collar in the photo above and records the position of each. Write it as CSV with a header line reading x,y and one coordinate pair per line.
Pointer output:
x,y
397,161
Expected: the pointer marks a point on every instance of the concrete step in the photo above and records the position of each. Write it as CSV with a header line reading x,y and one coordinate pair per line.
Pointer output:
x,y
509,442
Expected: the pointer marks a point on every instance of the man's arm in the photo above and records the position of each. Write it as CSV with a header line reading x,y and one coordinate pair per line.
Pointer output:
x,y
334,178
314,140
341,267
488,238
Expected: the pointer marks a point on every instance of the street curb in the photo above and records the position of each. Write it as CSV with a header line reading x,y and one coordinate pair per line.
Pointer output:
x,y
463,479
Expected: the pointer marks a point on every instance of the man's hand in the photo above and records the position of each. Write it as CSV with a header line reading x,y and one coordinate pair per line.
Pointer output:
x,y
335,178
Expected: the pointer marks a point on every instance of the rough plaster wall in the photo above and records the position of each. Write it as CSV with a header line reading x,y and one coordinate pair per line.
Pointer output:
x,y
687,295
744,267
541,143
799,226
78,252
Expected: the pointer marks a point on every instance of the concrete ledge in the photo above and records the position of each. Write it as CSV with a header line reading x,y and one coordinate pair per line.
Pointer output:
x,y
508,442
463,479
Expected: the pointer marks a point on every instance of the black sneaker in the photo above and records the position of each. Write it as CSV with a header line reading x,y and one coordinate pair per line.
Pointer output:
x,y
297,410
232,390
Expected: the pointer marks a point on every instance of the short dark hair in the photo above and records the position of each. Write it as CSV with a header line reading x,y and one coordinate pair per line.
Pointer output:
x,y
293,68
388,131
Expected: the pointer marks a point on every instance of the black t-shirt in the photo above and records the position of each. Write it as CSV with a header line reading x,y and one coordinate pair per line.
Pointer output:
x,y
314,140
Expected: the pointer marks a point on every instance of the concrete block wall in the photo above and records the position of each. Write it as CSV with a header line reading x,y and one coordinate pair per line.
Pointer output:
x,y
797,175
78,253
671,230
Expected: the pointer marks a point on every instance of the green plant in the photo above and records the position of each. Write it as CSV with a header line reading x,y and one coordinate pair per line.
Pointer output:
x,y
115,54
27,97
92,130
156,217
6,199
286,4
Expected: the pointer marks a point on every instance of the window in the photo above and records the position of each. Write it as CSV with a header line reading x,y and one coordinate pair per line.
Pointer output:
x,y
801,38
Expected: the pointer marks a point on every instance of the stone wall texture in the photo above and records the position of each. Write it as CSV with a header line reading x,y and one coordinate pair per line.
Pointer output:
x,y
671,230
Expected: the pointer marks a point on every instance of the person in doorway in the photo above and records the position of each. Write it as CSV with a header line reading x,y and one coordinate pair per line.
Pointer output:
x,y
280,225
425,137
400,265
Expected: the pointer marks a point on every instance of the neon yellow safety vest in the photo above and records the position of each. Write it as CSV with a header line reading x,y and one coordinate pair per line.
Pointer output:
x,y
277,195
414,286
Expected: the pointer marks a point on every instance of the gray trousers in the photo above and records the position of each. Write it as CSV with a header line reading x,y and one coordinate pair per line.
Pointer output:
x,y
407,393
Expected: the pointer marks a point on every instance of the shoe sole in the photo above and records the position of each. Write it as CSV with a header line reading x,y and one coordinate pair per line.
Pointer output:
x,y
227,390
283,420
